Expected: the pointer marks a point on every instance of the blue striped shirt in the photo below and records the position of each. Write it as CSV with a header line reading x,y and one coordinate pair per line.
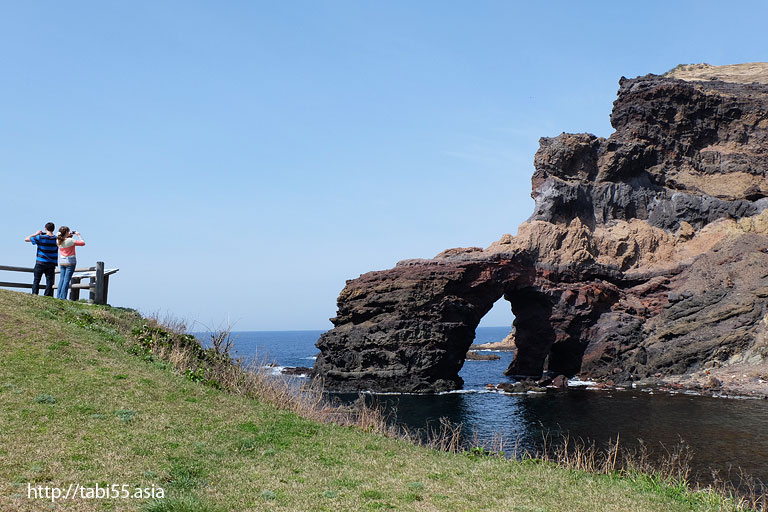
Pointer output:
x,y
47,251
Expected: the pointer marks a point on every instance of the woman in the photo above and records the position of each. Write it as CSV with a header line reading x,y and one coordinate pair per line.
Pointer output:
x,y
67,259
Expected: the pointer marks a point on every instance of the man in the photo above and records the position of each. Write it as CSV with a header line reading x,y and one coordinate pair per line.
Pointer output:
x,y
47,257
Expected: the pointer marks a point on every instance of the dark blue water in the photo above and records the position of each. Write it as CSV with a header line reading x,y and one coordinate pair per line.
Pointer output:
x,y
722,433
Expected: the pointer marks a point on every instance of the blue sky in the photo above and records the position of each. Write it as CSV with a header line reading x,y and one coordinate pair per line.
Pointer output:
x,y
242,160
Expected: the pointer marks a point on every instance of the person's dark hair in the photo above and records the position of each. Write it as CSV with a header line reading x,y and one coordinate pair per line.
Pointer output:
x,y
63,234
50,226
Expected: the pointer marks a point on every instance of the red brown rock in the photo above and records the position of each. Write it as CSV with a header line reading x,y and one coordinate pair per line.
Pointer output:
x,y
560,382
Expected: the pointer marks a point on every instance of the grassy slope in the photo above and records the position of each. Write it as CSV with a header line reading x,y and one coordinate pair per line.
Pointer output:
x,y
121,419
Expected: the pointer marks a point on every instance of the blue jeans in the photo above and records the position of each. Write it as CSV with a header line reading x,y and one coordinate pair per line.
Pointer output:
x,y
65,276
49,271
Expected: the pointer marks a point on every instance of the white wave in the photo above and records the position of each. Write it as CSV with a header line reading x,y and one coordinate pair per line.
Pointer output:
x,y
576,383
466,392
274,370
735,397
453,392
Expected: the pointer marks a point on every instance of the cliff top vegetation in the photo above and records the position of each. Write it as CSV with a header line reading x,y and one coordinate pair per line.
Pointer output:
x,y
746,73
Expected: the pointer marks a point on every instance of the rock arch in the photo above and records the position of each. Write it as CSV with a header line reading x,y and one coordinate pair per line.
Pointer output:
x,y
409,328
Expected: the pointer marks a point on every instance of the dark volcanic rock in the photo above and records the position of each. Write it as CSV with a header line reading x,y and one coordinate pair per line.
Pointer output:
x,y
476,356
671,138
296,370
645,255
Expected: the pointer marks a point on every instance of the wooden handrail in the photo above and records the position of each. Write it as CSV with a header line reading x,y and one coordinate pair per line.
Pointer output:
x,y
31,269
55,287
16,269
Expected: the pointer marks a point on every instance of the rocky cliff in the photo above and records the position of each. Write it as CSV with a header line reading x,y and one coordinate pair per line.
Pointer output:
x,y
646,253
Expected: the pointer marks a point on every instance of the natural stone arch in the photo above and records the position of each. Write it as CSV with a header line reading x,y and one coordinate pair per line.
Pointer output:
x,y
409,328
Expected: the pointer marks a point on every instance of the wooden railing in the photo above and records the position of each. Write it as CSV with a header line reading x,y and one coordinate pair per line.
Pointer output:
x,y
98,281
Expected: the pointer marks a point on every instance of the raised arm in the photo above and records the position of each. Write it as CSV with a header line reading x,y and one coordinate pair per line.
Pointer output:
x,y
80,242
29,238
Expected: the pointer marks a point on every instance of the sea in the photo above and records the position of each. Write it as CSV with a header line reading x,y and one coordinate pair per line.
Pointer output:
x,y
723,434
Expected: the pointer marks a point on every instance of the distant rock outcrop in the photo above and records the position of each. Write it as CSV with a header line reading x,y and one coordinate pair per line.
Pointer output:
x,y
476,356
646,253
507,344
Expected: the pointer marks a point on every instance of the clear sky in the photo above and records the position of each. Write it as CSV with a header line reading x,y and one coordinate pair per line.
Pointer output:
x,y
242,160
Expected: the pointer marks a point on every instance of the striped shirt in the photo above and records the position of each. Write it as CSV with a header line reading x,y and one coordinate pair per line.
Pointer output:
x,y
47,251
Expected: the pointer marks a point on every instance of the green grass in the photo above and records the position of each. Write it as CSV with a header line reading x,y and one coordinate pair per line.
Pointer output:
x,y
77,407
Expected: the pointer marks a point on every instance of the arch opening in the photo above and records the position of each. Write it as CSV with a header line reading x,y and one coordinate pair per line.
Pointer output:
x,y
492,340
524,312
496,328
527,314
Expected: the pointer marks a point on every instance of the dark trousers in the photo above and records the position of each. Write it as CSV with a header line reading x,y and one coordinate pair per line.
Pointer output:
x,y
49,269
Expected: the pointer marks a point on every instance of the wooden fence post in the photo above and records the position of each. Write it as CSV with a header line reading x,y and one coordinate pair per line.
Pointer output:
x,y
74,293
100,288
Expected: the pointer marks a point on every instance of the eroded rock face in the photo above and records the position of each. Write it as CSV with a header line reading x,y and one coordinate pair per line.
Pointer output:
x,y
646,253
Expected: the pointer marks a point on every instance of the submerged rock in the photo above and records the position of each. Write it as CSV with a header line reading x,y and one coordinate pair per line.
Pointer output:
x,y
525,386
645,253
